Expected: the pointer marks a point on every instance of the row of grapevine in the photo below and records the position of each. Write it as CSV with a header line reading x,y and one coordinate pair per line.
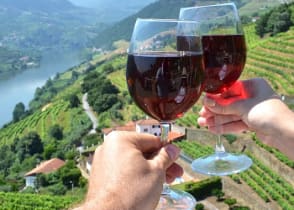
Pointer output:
x,y
32,122
273,59
19,201
268,184
252,39
280,156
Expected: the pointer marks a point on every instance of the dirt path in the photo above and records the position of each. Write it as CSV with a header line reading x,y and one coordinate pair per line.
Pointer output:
x,y
90,113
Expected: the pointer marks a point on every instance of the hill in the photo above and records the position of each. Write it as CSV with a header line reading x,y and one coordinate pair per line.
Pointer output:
x,y
56,107
170,9
272,58
123,29
46,24
38,6
12,61
119,9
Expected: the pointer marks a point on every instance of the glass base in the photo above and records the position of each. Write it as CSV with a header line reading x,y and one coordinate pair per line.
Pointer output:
x,y
176,200
221,164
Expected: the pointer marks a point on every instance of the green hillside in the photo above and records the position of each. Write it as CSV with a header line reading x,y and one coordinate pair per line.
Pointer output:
x,y
170,9
18,201
273,59
54,108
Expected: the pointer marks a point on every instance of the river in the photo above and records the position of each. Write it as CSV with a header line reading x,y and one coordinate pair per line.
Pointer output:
x,y
21,87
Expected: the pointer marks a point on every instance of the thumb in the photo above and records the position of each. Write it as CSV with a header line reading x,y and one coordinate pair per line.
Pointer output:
x,y
166,156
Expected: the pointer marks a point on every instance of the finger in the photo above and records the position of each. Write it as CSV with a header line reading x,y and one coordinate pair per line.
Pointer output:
x,y
223,119
221,106
166,156
203,121
205,112
142,141
234,127
173,172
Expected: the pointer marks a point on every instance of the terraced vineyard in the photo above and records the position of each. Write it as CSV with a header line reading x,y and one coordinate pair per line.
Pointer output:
x,y
41,121
265,182
268,185
18,201
273,59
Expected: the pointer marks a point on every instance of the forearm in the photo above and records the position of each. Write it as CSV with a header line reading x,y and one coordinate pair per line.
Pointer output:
x,y
280,131
104,202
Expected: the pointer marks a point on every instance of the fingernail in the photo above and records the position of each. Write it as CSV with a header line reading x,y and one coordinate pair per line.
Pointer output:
x,y
209,102
172,151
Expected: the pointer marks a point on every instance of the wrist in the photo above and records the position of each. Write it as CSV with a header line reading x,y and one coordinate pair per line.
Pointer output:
x,y
104,201
277,130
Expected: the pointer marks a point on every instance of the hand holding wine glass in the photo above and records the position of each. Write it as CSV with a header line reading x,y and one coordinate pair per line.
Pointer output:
x,y
164,77
224,51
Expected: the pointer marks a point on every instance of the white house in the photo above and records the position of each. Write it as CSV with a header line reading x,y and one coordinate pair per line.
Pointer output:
x,y
148,126
142,126
43,168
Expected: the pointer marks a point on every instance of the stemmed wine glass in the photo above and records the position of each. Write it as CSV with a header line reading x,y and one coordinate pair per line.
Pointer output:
x,y
164,77
224,51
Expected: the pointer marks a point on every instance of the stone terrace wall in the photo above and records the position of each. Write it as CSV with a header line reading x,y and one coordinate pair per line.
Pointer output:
x,y
244,141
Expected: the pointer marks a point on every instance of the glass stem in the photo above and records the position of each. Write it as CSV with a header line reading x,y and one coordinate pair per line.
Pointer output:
x,y
164,132
219,147
164,139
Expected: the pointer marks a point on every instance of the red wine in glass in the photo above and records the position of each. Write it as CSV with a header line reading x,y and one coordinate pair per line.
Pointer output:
x,y
165,86
224,59
224,52
164,77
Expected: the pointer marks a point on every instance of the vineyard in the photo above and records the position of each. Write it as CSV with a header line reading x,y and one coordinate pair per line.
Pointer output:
x,y
19,201
42,120
271,58
265,182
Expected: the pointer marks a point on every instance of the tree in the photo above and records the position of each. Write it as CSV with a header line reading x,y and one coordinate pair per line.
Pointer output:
x,y
92,139
49,151
261,24
56,132
218,193
230,201
69,174
105,102
199,206
18,112
29,145
108,68
74,101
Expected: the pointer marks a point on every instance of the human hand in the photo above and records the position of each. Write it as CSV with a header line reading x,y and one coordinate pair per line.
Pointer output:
x,y
247,105
129,170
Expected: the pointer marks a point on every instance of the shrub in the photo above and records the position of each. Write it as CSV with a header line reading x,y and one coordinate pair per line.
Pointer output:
x,y
230,201
199,206
202,189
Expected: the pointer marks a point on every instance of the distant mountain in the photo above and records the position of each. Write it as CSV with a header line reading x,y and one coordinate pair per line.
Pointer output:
x,y
113,10
123,29
45,24
167,9
40,5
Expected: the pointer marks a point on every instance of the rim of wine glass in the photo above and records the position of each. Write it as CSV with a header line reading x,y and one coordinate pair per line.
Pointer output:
x,y
166,20
237,16
211,5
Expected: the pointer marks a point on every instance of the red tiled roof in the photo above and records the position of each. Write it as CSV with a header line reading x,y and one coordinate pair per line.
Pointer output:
x,y
173,136
119,128
148,122
131,126
47,167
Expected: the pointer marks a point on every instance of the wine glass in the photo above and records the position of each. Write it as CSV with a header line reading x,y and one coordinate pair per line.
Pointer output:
x,y
164,77
224,51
